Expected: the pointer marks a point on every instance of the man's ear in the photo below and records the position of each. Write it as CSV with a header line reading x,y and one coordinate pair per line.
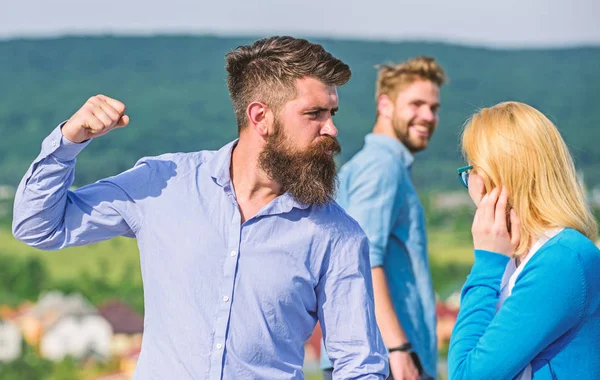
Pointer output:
x,y
258,116
385,106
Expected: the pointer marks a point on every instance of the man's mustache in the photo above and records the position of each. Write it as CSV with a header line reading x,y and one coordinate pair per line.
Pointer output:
x,y
428,124
327,144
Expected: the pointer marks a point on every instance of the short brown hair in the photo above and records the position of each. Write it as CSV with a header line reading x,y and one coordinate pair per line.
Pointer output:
x,y
393,78
266,70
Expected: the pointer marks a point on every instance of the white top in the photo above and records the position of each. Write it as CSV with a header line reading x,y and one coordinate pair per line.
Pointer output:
x,y
510,276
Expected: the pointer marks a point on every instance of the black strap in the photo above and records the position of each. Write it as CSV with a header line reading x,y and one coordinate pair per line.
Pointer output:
x,y
404,348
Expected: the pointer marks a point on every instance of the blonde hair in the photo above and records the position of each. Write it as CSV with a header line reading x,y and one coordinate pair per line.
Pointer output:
x,y
392,79
514,145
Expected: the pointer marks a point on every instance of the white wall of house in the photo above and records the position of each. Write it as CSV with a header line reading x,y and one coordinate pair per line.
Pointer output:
x,y
10,342
76,336
98,334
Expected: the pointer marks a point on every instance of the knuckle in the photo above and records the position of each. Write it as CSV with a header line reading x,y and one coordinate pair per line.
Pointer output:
x,y
97,124
87,114
120,107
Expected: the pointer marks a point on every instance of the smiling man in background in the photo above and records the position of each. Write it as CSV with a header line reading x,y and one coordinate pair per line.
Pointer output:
x,y
376,190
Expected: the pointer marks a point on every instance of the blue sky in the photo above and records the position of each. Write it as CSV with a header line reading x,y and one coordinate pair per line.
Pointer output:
x,y
506,23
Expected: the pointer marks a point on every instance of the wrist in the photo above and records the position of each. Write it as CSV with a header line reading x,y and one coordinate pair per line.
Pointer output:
x,y
490,259
73,134
406,347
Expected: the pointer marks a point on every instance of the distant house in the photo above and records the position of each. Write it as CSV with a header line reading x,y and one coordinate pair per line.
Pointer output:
x,y
127,326
10,341
129,361
66,325
446,316
79,335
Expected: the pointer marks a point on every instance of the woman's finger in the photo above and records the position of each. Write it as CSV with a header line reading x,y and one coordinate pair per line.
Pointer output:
x,y
500,210
515,229
488,207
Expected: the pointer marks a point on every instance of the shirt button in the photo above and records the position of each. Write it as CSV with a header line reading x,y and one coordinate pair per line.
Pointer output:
x,y
53,143
225,299
233,253
219,346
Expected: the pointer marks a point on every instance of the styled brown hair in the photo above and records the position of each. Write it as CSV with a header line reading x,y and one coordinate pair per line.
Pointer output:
x,y
393,78
267,69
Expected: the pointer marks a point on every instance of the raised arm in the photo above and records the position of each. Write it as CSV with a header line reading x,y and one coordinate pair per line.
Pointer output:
x,y
490,345
49,216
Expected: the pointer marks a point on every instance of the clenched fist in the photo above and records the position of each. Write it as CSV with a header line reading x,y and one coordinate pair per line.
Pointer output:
x,y
98,116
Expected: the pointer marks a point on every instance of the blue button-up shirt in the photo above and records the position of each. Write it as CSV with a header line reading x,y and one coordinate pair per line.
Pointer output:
x,y
223,299
377,191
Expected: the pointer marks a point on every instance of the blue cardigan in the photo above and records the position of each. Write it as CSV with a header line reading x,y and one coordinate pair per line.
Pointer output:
x,y
551,319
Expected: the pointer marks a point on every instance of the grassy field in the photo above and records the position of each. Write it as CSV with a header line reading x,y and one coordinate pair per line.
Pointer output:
x,y
69,263
450,258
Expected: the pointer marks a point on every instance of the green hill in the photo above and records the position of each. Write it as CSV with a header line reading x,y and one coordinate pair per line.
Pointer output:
x,y
175,91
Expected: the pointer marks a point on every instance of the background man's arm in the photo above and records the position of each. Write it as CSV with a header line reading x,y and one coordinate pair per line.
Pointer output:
x,y
372,201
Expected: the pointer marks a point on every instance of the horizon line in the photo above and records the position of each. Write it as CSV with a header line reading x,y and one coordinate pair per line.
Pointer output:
x,y
257,34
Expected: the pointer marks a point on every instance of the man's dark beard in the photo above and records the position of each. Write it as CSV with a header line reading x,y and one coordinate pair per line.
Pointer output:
x,y
309,175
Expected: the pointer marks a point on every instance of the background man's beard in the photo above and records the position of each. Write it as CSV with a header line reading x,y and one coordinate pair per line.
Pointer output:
x,y
400,127
309,175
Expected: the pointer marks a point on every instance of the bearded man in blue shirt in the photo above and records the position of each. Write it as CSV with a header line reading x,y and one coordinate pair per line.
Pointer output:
x,y
242,249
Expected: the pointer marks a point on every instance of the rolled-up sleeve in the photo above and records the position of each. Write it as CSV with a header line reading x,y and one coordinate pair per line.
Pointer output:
x,y
347,314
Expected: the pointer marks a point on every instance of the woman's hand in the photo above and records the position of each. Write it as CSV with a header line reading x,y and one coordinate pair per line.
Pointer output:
x,y
490,232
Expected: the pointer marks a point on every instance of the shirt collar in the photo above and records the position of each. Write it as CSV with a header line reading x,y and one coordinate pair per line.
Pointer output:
x,y
391,145
220,163
219,169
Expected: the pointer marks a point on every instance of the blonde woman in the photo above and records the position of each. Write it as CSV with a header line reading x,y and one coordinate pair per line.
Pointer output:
x,y
530,309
